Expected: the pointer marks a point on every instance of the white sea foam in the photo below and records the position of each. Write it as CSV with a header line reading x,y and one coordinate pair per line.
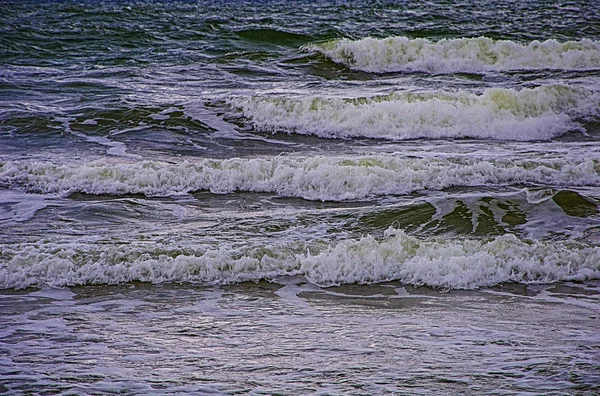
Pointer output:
x,y
471,55
438,262
505,114
315,178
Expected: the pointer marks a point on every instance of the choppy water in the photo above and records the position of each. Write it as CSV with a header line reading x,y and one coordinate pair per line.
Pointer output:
x,y
439,159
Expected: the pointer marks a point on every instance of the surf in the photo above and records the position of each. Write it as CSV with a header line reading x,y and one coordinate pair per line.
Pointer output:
x,y
462,55
317,177
435,262
527,114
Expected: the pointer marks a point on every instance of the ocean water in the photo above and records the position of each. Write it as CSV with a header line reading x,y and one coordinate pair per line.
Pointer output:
x,y
270,197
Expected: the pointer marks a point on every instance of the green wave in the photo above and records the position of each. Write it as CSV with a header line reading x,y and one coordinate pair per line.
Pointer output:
x,y
490,215
273,36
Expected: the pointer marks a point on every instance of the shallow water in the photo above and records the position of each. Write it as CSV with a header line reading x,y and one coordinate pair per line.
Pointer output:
x,y
296,338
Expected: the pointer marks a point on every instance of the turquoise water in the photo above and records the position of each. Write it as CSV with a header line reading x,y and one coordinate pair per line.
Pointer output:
x,y
438,159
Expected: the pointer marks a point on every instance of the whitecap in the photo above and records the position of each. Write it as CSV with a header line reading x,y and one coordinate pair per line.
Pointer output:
x,y
498,113
437,262
466,55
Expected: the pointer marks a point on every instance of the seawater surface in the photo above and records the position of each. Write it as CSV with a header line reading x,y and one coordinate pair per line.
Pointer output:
x,y
318,197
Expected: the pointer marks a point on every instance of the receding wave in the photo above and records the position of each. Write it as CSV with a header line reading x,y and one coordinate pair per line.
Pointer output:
x,y
466,263
469,55
529,114
326,178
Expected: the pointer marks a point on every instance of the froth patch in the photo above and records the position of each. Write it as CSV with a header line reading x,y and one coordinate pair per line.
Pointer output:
x,y
458,264
505,114
452,264
326,178
470,55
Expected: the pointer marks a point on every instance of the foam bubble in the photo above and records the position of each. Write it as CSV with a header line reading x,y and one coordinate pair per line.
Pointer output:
x,y
437,262
471,55
326,178
504,114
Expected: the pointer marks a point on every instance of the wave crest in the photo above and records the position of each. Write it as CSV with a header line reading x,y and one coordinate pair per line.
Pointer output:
x,y
468,55
326,178
506,114
457,264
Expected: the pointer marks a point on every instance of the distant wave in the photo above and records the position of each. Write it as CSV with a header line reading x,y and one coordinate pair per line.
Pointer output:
x,y
327,178
505,114
468,55
436,262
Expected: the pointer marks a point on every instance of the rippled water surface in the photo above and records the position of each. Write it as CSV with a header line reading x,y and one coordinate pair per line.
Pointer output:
x,y
295,338
317,197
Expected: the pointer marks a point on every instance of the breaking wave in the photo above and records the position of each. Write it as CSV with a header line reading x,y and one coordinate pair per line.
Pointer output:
x,y
504,114
467,55
326,178
437,262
